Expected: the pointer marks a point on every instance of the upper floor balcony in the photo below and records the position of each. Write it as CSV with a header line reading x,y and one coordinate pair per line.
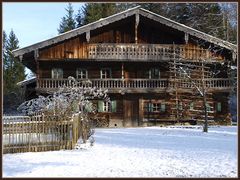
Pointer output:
x,y
131,52
138,85
149,52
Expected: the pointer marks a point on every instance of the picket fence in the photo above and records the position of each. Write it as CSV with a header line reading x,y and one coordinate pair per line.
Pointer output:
x,y
39,133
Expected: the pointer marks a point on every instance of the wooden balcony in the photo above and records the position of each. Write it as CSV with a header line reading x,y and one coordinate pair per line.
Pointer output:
x,y
149,52
135,85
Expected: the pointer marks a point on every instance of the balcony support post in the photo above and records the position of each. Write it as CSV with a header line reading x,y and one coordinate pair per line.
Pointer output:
x,y
88,36
122,70
186,37
136,27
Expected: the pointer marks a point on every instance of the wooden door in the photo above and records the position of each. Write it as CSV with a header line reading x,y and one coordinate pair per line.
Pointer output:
x,y
131,109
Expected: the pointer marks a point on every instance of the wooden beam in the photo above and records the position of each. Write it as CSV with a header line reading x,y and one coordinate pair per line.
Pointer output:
x,y
136,27
21,58
122,70
186,37
36,54
88,36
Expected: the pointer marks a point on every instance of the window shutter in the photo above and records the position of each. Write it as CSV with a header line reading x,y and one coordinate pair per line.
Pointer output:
x,y
114,106
163,107
100,106
219,107
60,73
191,106
150,107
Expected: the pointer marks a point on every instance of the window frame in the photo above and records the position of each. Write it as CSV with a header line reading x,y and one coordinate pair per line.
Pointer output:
x,y
59,73
105,69
151,71
80,72
107,106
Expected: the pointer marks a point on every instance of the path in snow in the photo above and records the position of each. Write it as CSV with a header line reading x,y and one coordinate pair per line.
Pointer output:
x,y
136,152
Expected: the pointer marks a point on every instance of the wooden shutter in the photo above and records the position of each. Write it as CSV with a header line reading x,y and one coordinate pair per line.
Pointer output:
x,y
100,106
114,106
163,107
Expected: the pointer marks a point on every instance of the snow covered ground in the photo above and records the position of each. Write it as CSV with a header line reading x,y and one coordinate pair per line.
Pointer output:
x,y
136,152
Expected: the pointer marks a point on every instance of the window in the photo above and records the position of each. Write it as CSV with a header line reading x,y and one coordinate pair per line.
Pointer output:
x,y
105,73
107,106
154,73
191,106
81,73
219,107
57,73
156,107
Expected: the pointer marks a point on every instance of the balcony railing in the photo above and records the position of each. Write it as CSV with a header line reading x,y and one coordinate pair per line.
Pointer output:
x,y
148,52
136,84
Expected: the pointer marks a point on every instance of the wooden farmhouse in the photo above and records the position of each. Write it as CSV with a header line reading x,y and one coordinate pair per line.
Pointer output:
x,y
155,69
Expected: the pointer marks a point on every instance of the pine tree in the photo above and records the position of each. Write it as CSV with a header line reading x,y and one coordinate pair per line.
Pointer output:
x,y
68,22
79,18
4,52
95,11
13,72
13,69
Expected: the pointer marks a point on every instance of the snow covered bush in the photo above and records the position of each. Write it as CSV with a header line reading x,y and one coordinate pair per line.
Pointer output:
x,y
74,98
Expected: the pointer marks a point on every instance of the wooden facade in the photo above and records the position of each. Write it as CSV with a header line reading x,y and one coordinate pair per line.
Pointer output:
x,y
131,55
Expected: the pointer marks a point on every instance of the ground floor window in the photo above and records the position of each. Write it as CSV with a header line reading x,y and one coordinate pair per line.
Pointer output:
x,y
156,107
104,106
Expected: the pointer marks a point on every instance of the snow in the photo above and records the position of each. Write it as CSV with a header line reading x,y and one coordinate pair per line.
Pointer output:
x,y
136,152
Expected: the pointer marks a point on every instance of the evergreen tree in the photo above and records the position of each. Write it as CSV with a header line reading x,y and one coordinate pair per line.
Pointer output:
x,y
13,72
4,52
79,18
95,11
68,22
13,69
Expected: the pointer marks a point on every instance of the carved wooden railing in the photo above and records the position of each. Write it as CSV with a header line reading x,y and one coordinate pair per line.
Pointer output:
x,y
217,83
148,52
106,83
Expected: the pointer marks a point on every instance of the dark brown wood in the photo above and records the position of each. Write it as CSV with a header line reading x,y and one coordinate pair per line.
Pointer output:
x,y
135,45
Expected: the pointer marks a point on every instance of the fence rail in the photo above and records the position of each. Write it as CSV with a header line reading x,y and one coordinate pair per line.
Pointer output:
x,y
38,133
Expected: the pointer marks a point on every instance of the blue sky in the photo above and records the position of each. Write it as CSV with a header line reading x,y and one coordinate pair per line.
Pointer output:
x,y
34,22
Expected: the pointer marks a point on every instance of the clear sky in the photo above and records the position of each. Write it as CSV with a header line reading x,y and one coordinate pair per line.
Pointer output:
x,y
34,22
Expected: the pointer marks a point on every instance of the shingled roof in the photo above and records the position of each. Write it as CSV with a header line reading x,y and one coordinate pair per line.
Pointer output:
x,y
122,15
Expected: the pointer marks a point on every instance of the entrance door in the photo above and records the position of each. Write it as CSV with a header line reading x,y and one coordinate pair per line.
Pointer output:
x,y
130,107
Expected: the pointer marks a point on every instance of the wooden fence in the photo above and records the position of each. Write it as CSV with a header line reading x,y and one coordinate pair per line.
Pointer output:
x,y
39,133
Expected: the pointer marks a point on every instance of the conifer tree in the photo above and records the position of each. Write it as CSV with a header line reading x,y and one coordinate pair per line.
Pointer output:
x,y
13,69
68,22
95,11
79,18
13,72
